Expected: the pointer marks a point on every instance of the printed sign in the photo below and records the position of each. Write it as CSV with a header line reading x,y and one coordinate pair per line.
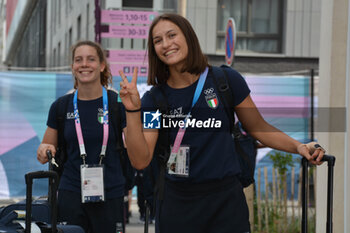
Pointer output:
x,y
127,24
230,41
126,31
127,61
139,56
129,17
128,69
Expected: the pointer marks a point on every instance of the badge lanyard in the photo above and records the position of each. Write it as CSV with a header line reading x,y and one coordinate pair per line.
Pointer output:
x,y
182,130
78,126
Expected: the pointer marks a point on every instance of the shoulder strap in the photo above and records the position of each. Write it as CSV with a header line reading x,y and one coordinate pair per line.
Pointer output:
x,y
162,149
221,82
116,122
61,112
159,99
227,97
115,118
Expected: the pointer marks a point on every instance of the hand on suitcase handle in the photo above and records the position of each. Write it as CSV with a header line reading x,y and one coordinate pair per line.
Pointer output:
x,y
325,158
312,146
312,152
51,158
41,152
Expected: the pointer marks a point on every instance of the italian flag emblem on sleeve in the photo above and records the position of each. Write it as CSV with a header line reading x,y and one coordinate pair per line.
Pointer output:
x,y
212,101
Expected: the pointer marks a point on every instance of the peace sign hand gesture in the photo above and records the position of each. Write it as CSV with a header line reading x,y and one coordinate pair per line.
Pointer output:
x,y
128,92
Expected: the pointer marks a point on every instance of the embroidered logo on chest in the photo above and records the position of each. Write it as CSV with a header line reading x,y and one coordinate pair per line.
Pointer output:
x,y
100,115
211,98
70,115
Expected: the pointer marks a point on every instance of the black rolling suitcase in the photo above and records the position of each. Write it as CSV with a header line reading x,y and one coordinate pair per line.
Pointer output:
x,y
331,162
53,184
40,209
8,225
11,215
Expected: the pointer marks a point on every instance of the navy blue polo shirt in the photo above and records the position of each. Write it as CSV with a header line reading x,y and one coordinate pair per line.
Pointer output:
x,y
212,149
92,129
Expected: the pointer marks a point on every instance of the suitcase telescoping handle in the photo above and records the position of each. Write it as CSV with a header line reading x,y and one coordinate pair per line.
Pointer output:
x,y
53,179
331,162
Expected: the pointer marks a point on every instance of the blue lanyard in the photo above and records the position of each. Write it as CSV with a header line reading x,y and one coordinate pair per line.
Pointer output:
x,y
78,125
197,93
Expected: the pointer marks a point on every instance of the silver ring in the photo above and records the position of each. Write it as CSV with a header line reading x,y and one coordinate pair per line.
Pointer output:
x,y
318,146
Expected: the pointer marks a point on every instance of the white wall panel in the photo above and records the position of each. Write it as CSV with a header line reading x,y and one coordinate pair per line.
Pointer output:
x,y
302,28
289,36
315,34
306,27
211,26
201,26
298,33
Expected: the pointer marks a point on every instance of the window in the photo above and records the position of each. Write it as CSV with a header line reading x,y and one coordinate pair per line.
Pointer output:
x,y
258,24
67,7
53,17
79,27
170,5
66,49
59,12
87,20
59,54
70,39
70,5
54,58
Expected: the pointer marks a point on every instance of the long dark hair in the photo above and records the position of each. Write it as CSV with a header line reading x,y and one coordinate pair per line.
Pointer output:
x,y
196,61
106,75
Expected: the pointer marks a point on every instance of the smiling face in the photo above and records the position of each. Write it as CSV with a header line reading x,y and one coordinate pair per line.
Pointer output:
x,y
169,43
86,65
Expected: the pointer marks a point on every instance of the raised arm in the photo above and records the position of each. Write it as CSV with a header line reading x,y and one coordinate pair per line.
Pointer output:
x,y
140,143
270,136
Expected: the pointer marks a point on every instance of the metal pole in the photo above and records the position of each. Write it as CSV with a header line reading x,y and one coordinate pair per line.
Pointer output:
x,y
304,194
312,106
331,163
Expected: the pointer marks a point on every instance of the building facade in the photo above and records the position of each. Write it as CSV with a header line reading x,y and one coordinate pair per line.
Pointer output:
x,y
272,35
25,33
2,30
69,21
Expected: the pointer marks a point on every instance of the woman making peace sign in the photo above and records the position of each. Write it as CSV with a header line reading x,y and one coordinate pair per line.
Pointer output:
x,y
206,196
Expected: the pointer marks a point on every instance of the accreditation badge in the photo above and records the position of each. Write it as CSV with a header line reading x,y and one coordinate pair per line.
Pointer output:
x,y
92,185
179,163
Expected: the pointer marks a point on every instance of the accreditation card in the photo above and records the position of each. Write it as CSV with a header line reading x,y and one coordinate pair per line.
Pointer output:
x,y
92,185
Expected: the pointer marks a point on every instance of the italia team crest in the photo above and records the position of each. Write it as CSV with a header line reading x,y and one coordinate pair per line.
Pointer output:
x,y
211,98
100,115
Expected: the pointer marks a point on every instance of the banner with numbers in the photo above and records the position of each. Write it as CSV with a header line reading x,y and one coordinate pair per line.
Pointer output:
x,y
129,25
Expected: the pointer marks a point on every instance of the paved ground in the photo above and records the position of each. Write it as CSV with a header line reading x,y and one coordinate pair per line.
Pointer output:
x,y
135,225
